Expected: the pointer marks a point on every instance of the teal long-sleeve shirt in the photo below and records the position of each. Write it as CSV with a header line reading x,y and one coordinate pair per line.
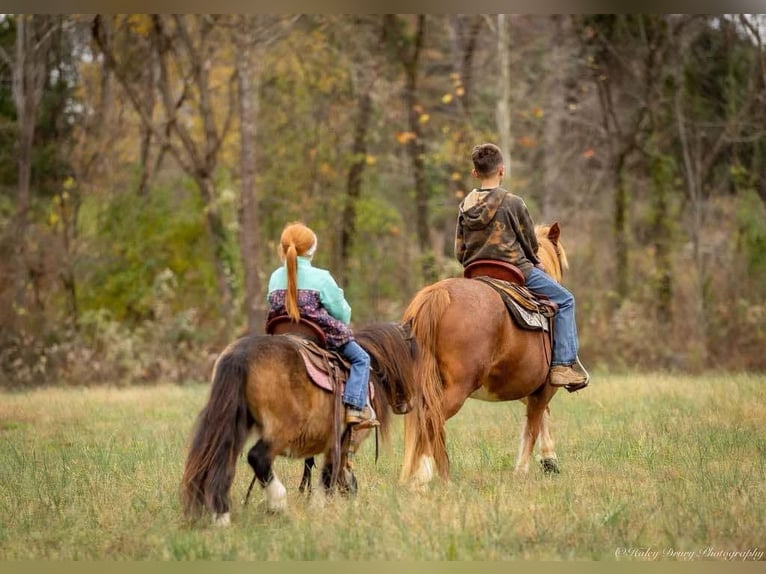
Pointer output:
x,y
312,278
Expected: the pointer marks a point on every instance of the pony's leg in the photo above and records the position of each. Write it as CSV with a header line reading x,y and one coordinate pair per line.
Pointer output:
x,y
532,428
347,483
548,457
308,464
261,459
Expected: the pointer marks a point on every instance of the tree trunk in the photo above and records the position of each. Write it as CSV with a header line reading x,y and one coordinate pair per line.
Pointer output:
x,y
620,229
662,183
218,237
504,90
553,156
410,60
354,182
150,82
29,70
249,82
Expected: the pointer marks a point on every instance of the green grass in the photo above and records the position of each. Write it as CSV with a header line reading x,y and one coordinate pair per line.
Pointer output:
x,y
658,462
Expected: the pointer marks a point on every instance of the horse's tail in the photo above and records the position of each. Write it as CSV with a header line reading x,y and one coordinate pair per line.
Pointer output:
x,y
220,434
424,426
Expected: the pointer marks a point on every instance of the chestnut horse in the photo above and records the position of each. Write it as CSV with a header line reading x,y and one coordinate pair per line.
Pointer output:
x,y
470,347
261,387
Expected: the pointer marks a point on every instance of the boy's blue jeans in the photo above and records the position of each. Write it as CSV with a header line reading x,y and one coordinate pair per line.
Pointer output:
x,y
565,342
358,381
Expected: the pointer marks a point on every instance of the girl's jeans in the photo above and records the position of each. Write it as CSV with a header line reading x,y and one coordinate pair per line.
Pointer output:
x,y
358,381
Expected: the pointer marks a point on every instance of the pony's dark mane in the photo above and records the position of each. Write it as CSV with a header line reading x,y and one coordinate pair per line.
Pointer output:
x,y
391,351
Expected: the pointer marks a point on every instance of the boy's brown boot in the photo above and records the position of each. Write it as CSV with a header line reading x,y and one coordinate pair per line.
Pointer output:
x,y
564,376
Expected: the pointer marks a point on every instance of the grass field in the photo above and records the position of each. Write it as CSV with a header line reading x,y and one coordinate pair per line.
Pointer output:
x,y
653,467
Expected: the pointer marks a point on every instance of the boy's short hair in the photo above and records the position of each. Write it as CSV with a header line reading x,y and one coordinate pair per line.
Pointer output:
x,y
487,158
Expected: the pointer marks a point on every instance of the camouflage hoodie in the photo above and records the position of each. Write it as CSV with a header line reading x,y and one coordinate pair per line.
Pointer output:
x,y
495,224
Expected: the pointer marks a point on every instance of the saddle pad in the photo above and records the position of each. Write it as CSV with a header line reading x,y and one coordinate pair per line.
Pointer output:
x,y
527,311
317,361
317,376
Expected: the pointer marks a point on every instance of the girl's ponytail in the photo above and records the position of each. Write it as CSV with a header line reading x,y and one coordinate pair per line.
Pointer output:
x,y
291,300
297,241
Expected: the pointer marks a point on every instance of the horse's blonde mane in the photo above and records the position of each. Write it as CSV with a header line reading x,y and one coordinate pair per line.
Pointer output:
x,y
553,256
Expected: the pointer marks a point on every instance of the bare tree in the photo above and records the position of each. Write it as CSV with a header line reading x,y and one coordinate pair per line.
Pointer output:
x,y
702,144
253,34
504,89
626,89
184,46
409,50
29,69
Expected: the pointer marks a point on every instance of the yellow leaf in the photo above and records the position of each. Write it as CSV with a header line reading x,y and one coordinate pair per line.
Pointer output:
x,y
460,91
446,98
370,159
53,219
538,112
141,24
456,176
424,118
404,137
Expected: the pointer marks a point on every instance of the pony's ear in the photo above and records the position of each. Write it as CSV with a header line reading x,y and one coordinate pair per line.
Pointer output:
x,y
554,232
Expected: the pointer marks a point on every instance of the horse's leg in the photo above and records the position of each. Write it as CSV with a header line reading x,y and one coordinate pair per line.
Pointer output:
x,y
419,464
425,468
261,459
547,455
533,426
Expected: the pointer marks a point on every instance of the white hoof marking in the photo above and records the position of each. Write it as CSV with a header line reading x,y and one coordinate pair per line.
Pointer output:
x,y
276,496
425,472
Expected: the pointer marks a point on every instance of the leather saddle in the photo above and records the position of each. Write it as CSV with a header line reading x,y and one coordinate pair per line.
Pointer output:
x,y
326,369
529,310
496,269
283,324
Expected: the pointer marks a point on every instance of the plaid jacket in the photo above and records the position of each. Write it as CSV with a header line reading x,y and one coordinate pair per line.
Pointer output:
x,y
495,224
320,300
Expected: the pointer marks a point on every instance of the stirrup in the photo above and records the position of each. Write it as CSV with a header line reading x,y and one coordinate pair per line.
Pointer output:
x,y
361,418
577,387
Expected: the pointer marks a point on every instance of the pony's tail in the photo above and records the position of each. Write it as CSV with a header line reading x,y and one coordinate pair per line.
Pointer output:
x,y
424,426
220,434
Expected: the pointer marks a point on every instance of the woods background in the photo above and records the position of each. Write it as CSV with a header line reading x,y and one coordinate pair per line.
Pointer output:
x,y
149,162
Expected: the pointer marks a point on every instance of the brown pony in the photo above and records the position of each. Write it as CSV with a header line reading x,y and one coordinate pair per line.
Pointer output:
x,y
260,386
470,347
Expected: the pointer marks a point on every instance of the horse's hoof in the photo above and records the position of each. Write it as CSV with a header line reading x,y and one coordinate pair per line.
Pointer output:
x,y
550,466
222,519
349,486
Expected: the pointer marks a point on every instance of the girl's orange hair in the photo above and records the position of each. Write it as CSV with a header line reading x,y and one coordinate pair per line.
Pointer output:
x,y
297,239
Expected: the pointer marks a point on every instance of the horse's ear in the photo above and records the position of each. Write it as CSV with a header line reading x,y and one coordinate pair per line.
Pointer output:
x,y
554,232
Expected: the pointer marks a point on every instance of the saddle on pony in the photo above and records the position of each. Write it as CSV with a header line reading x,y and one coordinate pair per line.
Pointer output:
x,y
326,369
528,310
